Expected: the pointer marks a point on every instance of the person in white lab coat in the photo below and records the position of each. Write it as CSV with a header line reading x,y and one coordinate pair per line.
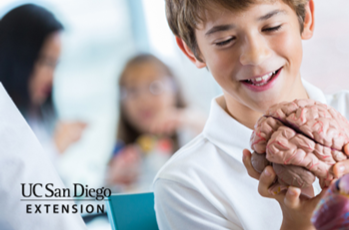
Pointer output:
x,y
30,46
22,160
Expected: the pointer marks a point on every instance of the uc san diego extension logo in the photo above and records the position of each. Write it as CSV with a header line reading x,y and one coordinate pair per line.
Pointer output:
x,y
45,198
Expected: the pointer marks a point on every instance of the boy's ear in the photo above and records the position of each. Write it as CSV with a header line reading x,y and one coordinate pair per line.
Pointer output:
x,y
309,22
187,51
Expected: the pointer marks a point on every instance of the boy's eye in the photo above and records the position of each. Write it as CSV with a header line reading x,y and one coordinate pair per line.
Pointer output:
x,y
225,42
271,29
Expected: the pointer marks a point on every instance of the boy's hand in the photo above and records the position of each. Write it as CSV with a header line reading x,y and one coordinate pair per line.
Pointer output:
x,y
341,168
297,208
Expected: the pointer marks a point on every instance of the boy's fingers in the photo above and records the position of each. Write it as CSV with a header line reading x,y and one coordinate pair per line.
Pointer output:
x,y
341,168
292,197
346,149
318,197
266,179
246,159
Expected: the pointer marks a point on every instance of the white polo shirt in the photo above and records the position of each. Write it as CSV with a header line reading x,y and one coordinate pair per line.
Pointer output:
x,y
205,184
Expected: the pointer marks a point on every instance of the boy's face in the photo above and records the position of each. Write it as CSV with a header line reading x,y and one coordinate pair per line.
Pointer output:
x,y
254,55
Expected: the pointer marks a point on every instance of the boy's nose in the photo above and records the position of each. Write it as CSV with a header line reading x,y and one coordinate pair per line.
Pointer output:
x,y
254,52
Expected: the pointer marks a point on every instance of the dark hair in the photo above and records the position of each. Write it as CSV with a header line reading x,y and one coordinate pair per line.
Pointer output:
x,y
23,32
126,132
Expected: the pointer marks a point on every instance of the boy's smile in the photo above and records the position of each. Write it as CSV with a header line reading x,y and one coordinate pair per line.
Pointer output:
x,y
262,82
254,55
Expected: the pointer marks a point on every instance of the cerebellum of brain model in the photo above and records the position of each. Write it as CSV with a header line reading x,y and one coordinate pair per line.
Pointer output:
x,y
302,140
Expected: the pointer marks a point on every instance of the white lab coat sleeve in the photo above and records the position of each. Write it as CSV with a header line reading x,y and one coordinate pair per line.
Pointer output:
x,y
22,161
178,207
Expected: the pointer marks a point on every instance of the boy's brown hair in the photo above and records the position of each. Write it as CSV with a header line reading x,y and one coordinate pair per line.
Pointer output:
x,y
183,16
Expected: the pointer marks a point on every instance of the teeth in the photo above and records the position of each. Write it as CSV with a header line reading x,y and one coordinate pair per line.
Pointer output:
x,y
261,84
265,77
259,79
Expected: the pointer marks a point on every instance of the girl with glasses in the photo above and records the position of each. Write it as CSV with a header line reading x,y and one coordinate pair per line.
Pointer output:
x,y
154,122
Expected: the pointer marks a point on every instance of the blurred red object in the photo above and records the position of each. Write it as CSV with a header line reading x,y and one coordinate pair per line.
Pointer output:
x,y
333,210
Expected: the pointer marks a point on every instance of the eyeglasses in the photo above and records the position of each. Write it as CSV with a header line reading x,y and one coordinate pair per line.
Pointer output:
x,y
155,88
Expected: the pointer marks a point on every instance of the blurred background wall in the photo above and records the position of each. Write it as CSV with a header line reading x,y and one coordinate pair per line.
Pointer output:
x,y
326,55
100,36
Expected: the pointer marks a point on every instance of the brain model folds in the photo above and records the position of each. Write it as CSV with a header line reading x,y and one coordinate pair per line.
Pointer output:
x,y
301,140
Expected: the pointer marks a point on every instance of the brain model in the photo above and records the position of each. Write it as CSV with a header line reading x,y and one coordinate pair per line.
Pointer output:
x,y
301,140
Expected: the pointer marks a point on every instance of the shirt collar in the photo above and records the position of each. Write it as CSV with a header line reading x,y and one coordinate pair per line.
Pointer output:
x,y
313,92
231,136
224,131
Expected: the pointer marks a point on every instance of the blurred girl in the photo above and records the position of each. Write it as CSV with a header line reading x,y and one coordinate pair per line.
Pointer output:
x,y
30,45
154,122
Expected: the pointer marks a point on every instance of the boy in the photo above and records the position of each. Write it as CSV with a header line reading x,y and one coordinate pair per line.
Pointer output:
x,y
254,50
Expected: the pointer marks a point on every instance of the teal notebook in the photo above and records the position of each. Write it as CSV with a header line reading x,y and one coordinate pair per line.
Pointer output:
x,y
132,211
